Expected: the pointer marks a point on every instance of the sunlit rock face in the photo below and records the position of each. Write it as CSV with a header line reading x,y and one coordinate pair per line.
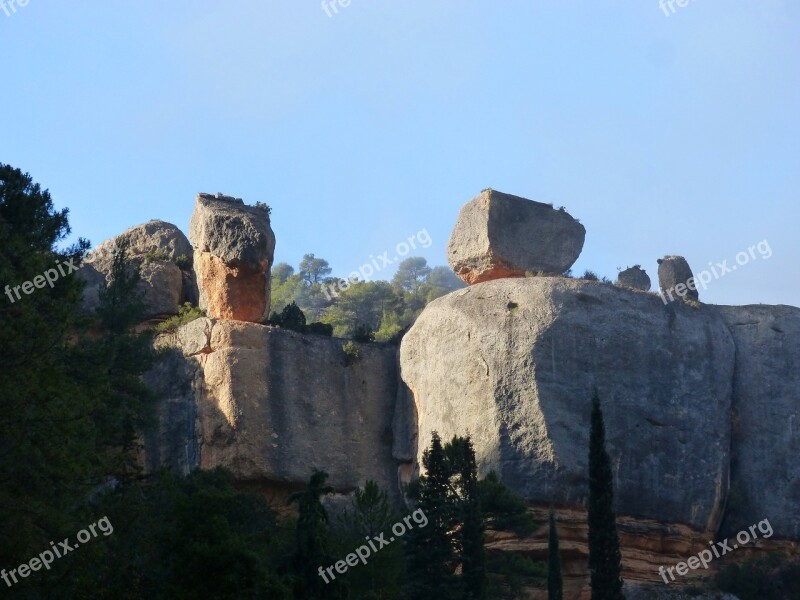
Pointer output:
x,y
499,235
233,253
514,363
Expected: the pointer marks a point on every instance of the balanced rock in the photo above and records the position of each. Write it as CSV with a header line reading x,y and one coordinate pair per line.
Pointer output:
x,y
635,278
514,363
157,249
676,280
499,235
233,253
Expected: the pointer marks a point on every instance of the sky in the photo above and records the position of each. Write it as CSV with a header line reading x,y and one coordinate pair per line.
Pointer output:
x,y
664,131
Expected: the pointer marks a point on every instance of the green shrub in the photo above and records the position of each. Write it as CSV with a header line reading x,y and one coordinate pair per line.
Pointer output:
x,y
184,262
590,276
352,353
772,577
318,328
186,314
363,334
264,206
155,255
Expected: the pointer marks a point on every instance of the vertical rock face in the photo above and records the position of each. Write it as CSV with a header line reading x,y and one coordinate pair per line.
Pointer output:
x,y
514,363
155,248
676,280
634,278
233,253
765,475
499,235
273,404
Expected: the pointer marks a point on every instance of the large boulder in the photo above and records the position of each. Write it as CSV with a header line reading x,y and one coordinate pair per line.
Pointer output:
x,y
765,474
499,235
676,280
635,278
233,252
272,404
157,249
514,363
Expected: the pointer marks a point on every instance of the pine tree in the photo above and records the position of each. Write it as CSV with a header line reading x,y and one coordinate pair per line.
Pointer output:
x,y
555,587
604,554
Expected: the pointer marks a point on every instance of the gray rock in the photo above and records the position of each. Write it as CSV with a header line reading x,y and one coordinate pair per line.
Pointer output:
x,y
634,278
232,231
499,235
765,475
676,280
234,247
514,362
273,404
153,247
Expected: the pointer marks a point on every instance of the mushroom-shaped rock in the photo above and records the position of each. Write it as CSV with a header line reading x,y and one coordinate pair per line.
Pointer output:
x,y
634,278
233,252
157,249
499,235
676,280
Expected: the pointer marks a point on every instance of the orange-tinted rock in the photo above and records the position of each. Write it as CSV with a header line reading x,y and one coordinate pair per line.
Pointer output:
x,y
232,292
233,252
499,235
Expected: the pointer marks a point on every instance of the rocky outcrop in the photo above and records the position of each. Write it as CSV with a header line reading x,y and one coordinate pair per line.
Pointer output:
x,y
647,545
765,476
634,278
233,253
676,280
499,235
156,248
273,404
514,363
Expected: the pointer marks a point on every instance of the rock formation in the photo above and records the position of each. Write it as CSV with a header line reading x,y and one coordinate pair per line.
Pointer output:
x,y
273,404
765,421
499,235
676,280
155,248
233,252
701,402
514,363
634,278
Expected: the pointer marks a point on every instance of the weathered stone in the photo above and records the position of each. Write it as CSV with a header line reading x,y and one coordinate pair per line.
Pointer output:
x,y
499,235
154,248
234,247
514,363
676,280
765,474
273,404
635,278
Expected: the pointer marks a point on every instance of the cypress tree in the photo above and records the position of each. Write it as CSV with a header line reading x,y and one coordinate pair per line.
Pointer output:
x,y
555,587
431,556
604,554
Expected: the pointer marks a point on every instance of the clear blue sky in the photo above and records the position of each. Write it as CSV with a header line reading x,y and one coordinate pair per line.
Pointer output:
x,y
663,134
